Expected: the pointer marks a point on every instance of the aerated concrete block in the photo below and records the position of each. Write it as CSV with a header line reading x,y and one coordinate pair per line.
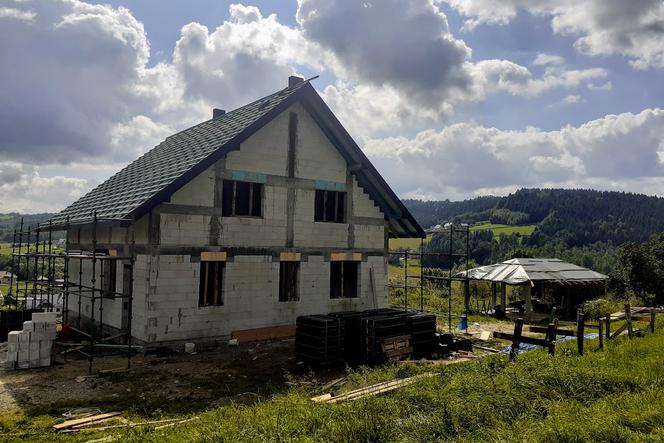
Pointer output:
x,y
9,365
43,362
44,317
34,349
28,326
23,355
12,337
45,348
50,331
12,356
23,337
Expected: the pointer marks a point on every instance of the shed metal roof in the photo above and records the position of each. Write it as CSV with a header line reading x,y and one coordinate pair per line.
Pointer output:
x,y
523,270
155,176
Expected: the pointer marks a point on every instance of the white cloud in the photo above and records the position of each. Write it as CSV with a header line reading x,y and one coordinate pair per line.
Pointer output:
x,y
548,59
634,29
23,189
572,99
17,14
505,76
465,159
607,86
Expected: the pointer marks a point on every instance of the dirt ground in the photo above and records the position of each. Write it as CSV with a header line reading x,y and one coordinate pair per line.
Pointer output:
x,y
175,383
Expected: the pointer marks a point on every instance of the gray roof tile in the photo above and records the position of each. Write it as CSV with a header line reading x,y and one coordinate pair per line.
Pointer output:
x,y
133,186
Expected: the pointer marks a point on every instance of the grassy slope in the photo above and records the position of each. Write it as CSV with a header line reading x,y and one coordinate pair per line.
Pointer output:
x,y
408,243
498,229
616,395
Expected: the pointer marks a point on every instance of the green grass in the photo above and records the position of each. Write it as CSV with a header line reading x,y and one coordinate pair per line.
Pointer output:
x,y
412,244
498,229
616,395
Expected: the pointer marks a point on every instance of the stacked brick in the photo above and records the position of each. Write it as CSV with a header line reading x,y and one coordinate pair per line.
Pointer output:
x,y
31,347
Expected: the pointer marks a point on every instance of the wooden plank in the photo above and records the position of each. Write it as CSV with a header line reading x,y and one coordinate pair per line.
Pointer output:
x,y
542,329
213,256
619,331
378,389
290,256
523,339
346,256
78,421
628,318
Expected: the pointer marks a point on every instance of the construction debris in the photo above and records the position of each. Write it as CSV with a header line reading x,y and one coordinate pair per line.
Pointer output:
x,y
31,347
377,389
78,421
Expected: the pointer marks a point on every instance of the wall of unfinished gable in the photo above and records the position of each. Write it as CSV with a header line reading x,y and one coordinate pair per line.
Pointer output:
x,y
166,282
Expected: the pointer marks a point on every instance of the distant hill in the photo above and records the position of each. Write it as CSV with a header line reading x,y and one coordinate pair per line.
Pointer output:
x,y
11,221
575,217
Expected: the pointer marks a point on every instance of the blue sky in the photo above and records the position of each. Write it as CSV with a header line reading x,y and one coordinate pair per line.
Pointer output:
x,y
476,96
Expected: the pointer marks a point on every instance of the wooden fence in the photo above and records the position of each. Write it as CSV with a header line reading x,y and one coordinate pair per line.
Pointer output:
x,y
603,326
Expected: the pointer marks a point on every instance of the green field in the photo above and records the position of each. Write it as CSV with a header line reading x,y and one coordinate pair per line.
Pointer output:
x,y
498,229
412,244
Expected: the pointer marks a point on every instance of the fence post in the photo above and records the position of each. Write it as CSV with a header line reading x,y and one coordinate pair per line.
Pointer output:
x,y
608,326
628,318
516,338
580,327
652,320
601,334
551,336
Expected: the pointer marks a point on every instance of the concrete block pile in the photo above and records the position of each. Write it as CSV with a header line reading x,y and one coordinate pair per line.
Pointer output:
x,y
31,347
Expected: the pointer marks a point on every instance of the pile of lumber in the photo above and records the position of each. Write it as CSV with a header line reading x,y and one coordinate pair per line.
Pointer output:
x,y
377,389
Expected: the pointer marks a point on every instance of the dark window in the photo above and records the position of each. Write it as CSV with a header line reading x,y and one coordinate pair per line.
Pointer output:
x,y
330,206
210,292
242,199
289,281
108,269
343,279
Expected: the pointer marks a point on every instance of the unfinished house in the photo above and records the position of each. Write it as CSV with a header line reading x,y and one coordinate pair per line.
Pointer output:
x,y
236,226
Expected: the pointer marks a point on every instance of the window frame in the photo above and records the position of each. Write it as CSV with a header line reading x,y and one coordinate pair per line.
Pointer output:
x,y
109,274
285,295
338,211
254,204
338,291
211,298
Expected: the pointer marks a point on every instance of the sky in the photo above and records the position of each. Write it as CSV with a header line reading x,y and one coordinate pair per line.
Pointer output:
x,y
450,99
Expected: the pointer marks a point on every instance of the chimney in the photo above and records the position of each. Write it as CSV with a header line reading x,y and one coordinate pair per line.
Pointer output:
x,y
294,80
216,113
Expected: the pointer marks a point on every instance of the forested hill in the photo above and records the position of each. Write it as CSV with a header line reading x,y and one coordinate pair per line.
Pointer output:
x,y
11,221
575,217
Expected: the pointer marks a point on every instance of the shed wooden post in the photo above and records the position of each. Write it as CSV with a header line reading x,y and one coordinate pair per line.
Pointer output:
x,y
503,296
494,294
528,299
518,329
580,328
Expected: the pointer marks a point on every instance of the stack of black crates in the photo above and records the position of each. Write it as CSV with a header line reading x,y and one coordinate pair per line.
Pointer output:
x,y
422,330
355,337
319,339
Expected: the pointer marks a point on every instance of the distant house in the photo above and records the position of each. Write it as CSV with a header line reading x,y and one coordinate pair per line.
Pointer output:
x,y
7,277
240,224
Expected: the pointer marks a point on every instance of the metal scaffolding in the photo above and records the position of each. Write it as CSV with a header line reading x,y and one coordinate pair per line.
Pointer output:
x,y
37,264
424,281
